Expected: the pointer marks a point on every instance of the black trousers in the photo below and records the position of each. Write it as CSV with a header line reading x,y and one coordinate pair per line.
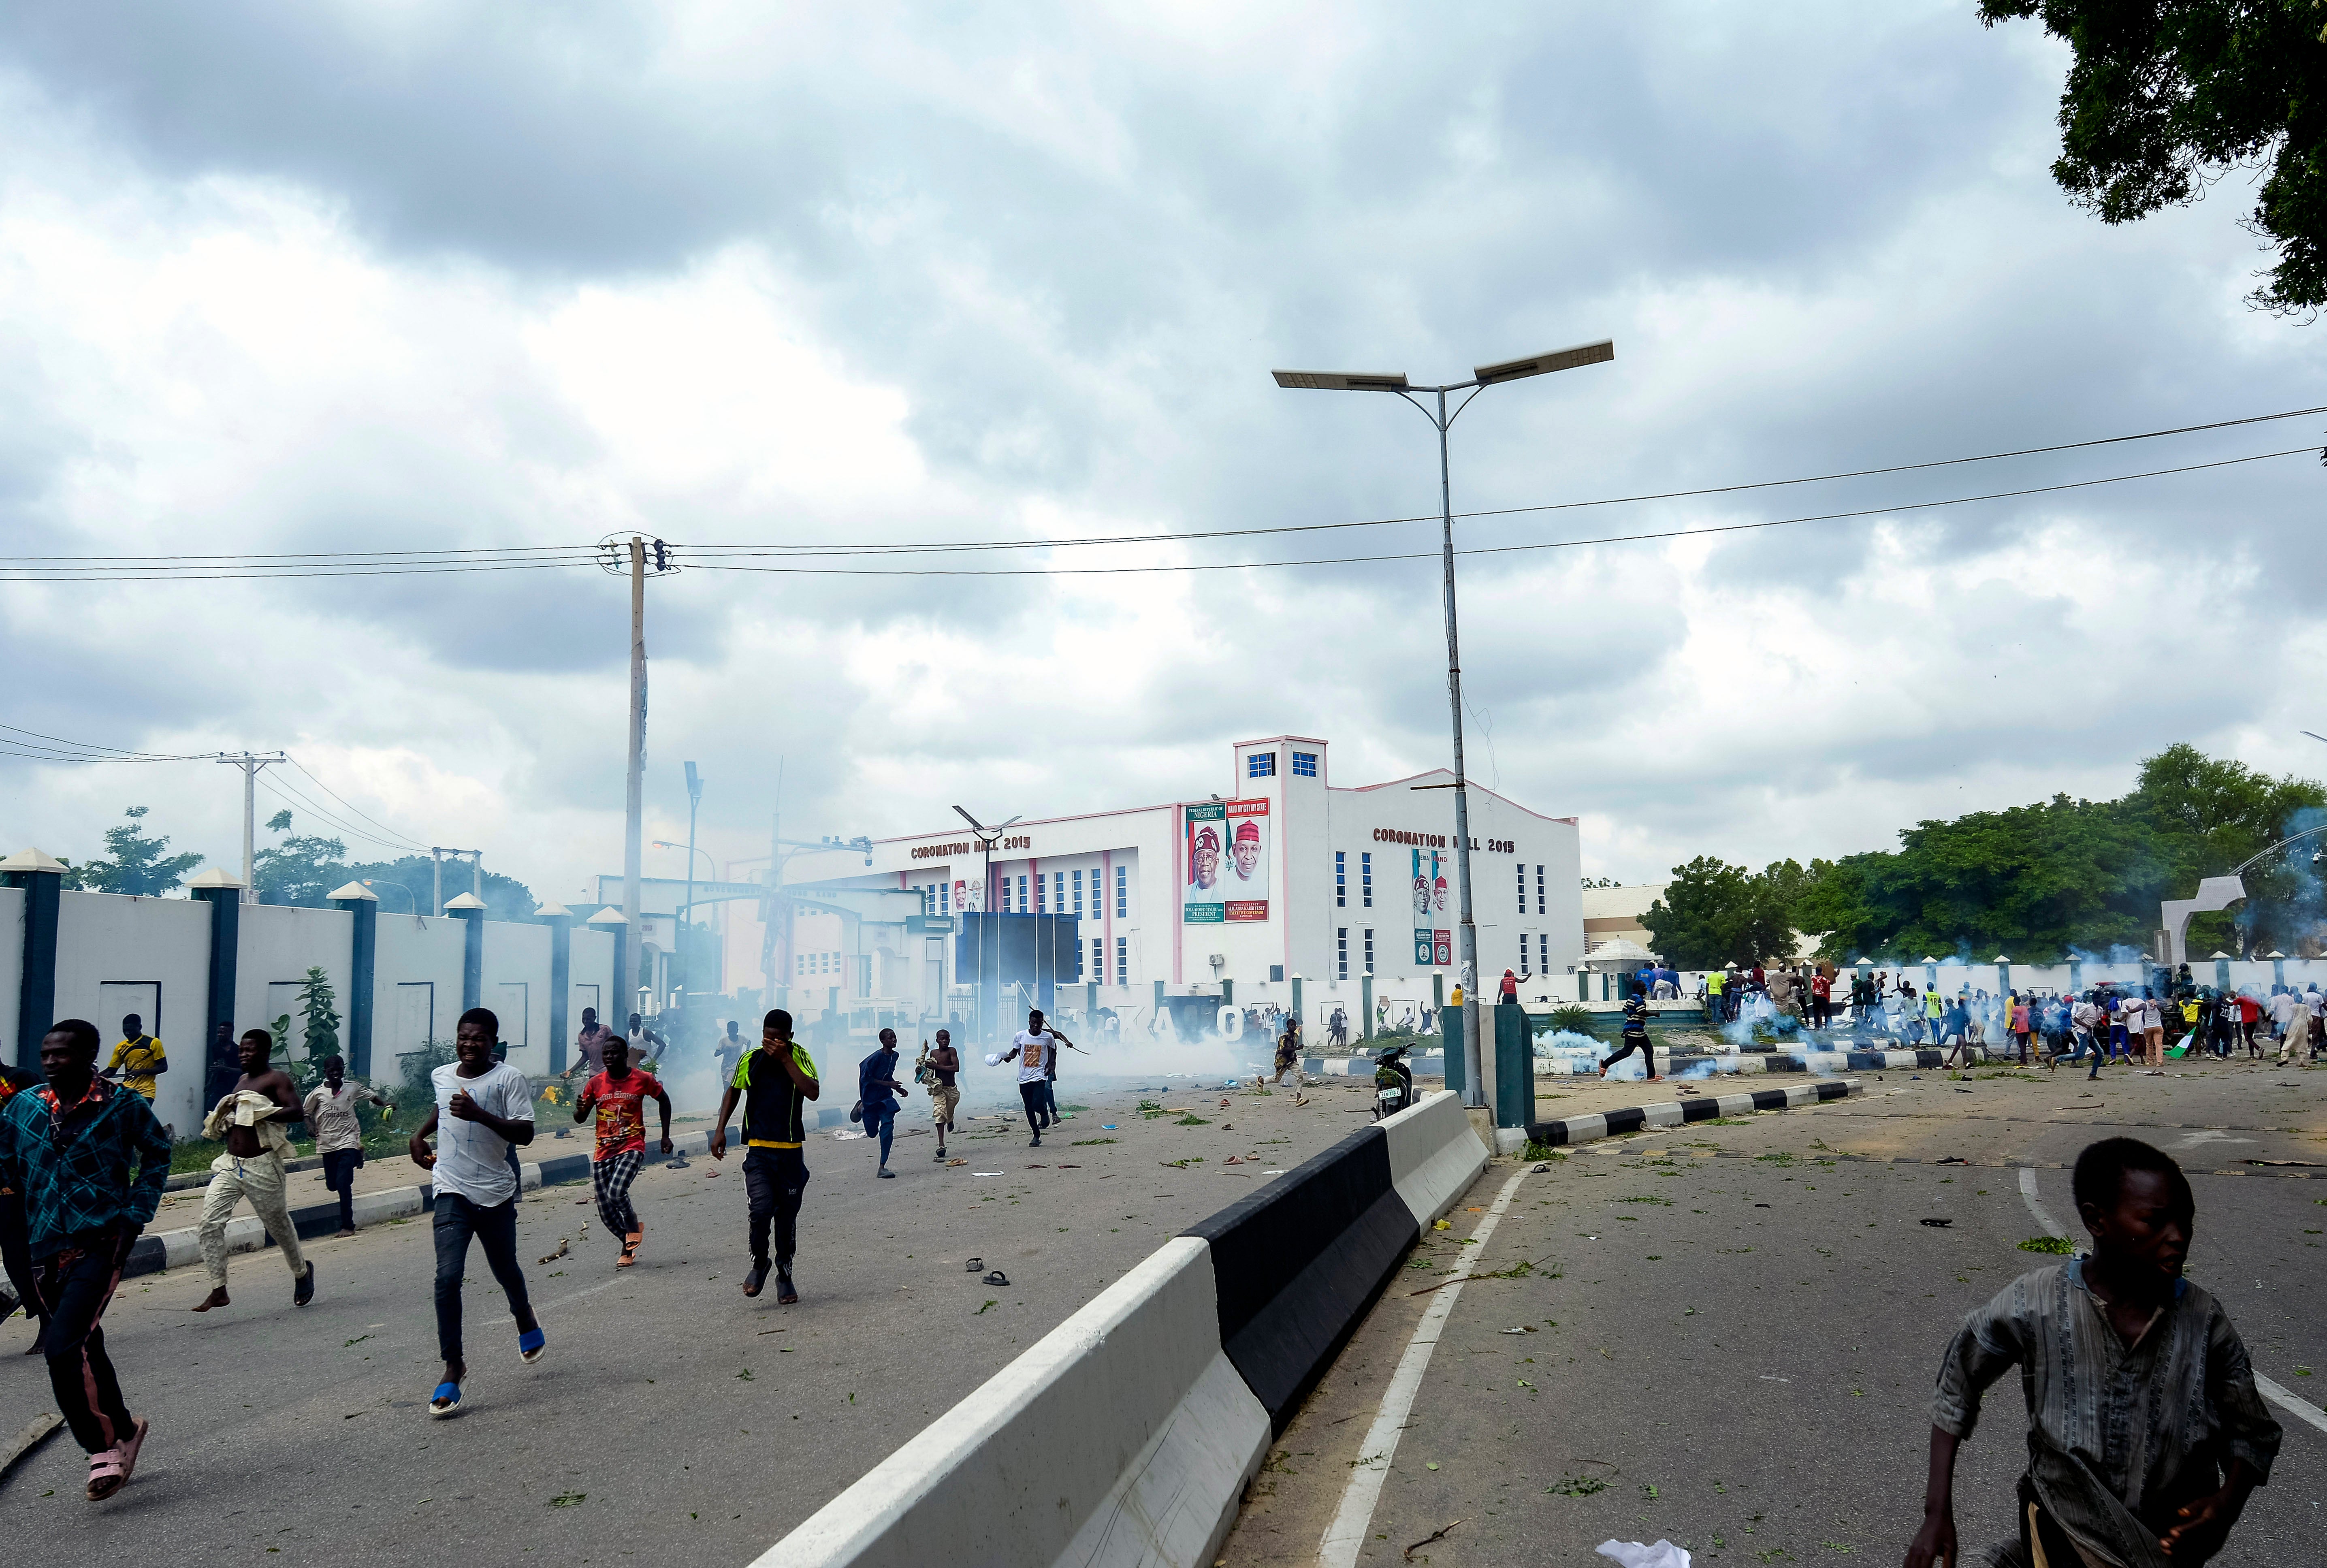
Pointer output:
x,y
773,1180
1632,1043
1034,1096
340,1176
495,1228
75,1287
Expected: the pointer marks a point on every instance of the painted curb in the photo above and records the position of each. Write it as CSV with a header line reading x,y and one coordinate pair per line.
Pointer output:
x,y
1673,1113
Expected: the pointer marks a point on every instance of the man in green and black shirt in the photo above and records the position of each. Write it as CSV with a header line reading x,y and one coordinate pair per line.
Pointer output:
x,y
1636,1034
774,1083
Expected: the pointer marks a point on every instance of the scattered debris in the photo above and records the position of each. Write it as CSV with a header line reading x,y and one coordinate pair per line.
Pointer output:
x,y
996,1277
1952,1160
1939,1224
1435,1535
2053,1244
1522,1329
973,1265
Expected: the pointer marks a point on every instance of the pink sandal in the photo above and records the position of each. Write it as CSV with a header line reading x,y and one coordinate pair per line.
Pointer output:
x,y
106,1474
127,1448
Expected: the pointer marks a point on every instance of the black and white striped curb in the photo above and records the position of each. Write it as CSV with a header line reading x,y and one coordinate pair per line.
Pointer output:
x,y
1673,1113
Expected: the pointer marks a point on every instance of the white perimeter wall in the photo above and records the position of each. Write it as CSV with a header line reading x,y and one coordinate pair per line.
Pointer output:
x,y
109,937
12,967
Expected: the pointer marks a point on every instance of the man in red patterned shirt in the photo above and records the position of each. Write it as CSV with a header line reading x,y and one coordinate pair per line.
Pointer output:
x,y
619,1095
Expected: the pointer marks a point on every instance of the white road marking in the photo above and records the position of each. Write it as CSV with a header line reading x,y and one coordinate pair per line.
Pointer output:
x,y
1347,1532
2035,1205
577,1295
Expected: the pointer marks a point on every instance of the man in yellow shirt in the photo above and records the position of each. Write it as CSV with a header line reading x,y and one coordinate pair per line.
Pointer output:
x,y
137,1061
774,1083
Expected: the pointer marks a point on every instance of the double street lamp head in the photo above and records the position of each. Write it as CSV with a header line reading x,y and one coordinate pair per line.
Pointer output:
x,y
1598,353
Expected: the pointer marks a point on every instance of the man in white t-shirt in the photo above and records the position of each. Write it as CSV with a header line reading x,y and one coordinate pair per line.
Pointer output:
x,y
2282,1012
483,1110
1031,1048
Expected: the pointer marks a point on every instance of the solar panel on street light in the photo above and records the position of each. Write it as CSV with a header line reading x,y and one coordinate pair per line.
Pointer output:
x,y
1598,353
1341,380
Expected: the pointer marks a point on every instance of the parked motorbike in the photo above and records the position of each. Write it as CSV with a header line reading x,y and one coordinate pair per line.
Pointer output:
x,y
1393,1082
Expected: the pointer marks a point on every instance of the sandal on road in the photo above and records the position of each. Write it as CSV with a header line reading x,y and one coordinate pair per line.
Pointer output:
x,y
532,1344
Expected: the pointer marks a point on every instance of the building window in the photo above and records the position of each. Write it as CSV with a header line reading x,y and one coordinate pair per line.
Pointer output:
x,y
1122,892
1098,961
1365,877
1022,892
945,897
1305,764
1539,890
1341,880
1543,954
1123,960
1058,892
1260,765
1079,892
1370,949
1523,901
1342,953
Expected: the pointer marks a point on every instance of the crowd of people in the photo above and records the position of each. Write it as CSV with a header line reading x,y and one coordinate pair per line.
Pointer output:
x,y
84,1161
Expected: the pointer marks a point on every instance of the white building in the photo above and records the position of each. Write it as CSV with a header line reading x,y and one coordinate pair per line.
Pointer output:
x,y
1282,876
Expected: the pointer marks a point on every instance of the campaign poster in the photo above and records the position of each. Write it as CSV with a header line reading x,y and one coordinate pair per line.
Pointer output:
x,y
1442,949
1422,946
1245,882
1204,901
969,897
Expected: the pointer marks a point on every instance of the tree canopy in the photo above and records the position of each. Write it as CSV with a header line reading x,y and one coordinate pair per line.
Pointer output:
x,y
1714,913
139,865
2164,97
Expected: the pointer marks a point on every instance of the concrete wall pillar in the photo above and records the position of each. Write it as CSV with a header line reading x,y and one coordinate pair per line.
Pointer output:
x,y
42,878
561,980
469,910
363,943
222,1063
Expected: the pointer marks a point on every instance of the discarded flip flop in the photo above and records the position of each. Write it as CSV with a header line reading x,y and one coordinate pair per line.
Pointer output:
x,y
1939,1224
996,1277
973,1265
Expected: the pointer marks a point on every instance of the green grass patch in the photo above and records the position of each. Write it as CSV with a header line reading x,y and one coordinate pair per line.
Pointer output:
x,y
2058,1244
1191,1120
1087,1142
1541,1151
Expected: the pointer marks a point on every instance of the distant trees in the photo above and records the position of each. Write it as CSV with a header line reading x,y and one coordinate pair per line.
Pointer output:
x,y
138,866
1714,913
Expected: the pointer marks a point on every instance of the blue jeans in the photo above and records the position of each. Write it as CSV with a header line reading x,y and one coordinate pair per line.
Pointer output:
x,y
881,1122
495,1228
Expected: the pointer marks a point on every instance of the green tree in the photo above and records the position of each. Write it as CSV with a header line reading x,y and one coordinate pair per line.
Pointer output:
x,y
506,898
1714,913
138,866
2164,97
301,870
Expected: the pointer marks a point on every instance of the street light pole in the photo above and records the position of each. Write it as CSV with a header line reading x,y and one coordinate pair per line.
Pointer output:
x,y
1474,1089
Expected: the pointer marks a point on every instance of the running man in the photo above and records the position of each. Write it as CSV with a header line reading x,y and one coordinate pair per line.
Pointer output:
x,y
68,1148
1636,1034
775,1084
945,1098
590,1046
877,1090
2137,1384
728,1052
1031,1048
483,1110
331,1108
138,1060
1288,1053
620,1095
250,1118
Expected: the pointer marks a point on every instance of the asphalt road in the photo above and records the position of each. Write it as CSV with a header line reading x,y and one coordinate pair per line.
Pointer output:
x,y
1734,1329
672,1415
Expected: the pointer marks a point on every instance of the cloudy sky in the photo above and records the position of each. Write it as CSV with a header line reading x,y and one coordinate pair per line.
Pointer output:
x,y
433,276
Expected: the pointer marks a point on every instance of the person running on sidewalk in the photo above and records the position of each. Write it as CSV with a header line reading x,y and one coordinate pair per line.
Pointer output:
x,y
249,1119
1031,1049
68,1148
2145,1430
945,1098
138,1060
877,1090
331,1108
620,1095
1636,1035
483,1109
775,1084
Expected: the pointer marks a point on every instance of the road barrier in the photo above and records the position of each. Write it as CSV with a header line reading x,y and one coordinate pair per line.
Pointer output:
x,y
1126,1434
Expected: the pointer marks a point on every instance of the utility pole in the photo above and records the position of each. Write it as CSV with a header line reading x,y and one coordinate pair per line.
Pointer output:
x,y
437,852
250,764
634,797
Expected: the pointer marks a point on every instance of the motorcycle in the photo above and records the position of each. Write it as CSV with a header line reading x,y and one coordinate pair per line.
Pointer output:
x,y
1393,1082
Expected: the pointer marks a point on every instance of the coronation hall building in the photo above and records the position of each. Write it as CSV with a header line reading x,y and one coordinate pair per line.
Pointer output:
x,y
1284,874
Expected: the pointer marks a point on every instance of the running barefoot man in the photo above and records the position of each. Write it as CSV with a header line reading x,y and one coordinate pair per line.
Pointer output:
x,y
775,1084
483,1110
619,1095
250,1118
945,1098
67,1149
